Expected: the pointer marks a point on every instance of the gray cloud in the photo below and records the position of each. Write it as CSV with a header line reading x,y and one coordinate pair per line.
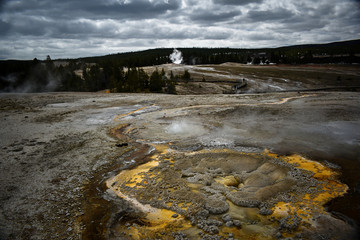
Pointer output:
x,y
270,15
261,37
213,17
4,27
2,2
74,28
236,2
137,9
91,9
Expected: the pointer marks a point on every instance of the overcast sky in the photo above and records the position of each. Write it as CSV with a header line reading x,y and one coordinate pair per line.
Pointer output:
x,y
79,28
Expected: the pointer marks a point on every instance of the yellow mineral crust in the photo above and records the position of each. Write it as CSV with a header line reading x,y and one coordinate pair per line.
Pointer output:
x,y
228,181
129,113
320,171
160,149
156,220
309,205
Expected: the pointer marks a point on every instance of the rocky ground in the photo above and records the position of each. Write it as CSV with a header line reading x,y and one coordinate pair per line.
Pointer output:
x,y
59,152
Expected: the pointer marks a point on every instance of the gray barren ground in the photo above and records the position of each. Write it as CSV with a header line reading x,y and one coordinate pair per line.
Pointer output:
x,y
59,150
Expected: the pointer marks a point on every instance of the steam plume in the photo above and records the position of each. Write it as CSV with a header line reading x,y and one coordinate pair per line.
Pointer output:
x,y
186,128
176,56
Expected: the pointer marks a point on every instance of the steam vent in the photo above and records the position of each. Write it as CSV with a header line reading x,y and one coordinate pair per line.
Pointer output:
x,y
199,182
155,166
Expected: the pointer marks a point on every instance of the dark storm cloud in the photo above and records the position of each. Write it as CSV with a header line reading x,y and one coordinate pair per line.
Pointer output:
x,y
236,2
60,18
270,15
35,28
213,17
2,2
138,9
305,25
4,27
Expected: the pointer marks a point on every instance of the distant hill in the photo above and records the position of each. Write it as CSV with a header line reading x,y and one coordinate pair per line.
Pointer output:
x,y
336,52
121,71
340,45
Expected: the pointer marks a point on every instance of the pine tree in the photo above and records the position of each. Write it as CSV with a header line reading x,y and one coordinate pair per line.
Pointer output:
x,y
143,79
156,83
186,76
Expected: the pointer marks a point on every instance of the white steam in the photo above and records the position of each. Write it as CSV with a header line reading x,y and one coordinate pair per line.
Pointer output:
x,y
176,56
186,128
31,84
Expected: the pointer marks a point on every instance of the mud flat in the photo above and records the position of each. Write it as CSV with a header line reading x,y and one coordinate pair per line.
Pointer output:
x,y
135,166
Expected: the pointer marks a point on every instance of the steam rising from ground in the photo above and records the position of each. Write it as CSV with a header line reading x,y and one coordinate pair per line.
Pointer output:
x,y
176,56
11,83
311,131
186,128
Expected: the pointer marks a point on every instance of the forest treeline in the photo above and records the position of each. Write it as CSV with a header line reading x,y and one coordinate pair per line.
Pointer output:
x,y
346,52
122,72
45,76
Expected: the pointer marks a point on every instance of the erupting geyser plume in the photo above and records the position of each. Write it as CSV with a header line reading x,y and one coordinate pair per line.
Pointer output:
x,y
176,56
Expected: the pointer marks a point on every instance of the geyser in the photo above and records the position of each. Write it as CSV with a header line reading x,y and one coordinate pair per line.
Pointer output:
x,y
176,56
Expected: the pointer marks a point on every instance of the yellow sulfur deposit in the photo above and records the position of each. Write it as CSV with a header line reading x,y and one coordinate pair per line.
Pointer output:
x,y
309,205
216,182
